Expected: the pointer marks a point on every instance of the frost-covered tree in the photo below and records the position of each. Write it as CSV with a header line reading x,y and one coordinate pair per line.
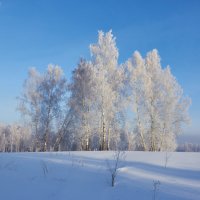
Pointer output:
x,y
3,140
30,104
41,102
14,138
135,81
173,112
82,103
158,102
153,94
19,137
105,61
52,91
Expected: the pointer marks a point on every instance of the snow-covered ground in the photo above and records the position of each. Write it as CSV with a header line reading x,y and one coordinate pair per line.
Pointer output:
x,y
85,175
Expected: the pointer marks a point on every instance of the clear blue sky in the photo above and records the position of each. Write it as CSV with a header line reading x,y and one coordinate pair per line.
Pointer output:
x,y
39,32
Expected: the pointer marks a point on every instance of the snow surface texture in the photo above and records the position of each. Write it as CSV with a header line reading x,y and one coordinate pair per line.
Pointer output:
x,y
85,175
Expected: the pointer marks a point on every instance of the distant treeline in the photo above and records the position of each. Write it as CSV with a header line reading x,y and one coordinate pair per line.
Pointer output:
x,y
188,147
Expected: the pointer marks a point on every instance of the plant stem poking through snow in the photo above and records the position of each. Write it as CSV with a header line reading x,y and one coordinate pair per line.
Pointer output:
x,y
156,185
113,167
167,156
44,168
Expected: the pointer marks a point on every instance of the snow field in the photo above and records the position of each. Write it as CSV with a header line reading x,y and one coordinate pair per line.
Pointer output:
x,y
85,175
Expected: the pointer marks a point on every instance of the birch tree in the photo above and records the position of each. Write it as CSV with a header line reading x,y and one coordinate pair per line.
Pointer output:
x,y
3,140
51,91
82,103
30,104
41,103
153,93
135,84
105,61
173,112
158,102
14,138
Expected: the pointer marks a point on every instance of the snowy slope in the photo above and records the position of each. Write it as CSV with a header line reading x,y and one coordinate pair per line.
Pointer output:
x,y
85,175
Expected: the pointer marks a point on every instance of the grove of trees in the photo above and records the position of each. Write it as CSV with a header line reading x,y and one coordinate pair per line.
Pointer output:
x,y
106,105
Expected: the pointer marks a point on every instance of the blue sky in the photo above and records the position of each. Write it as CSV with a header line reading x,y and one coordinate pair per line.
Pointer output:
x,y
39,32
